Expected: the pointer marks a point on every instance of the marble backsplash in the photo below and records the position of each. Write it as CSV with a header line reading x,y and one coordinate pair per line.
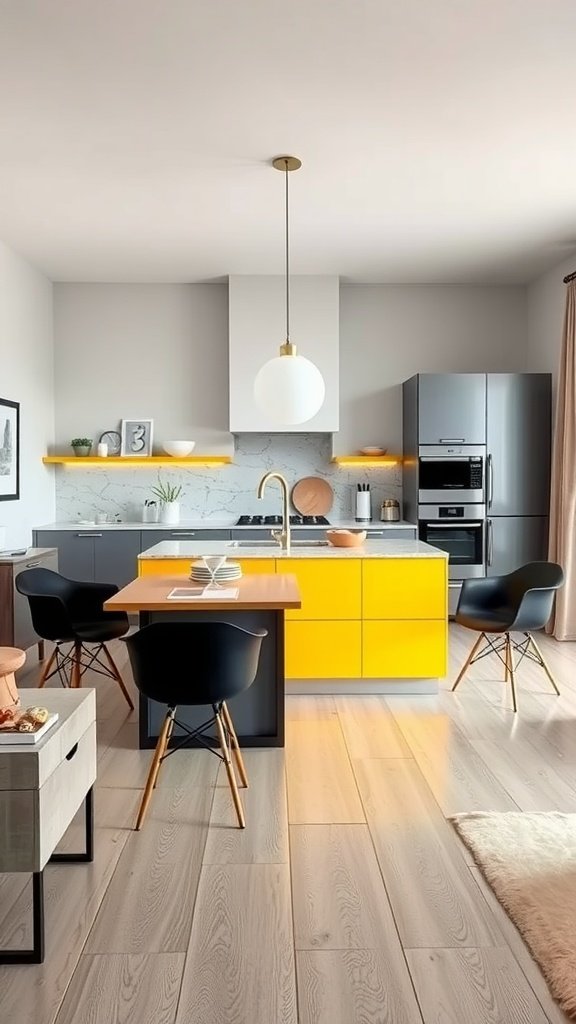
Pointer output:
x,y
226,492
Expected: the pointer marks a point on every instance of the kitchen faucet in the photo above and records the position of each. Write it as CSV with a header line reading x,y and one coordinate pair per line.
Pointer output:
x,y
283,537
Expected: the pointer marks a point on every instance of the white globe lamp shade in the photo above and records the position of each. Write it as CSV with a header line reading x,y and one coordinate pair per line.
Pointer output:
x,y
289,389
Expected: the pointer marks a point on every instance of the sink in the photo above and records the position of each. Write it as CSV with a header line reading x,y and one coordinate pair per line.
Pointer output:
x,y
275,544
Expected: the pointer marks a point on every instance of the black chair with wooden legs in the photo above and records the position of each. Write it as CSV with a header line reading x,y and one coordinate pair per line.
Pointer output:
x,y
497,606
70,612
187,664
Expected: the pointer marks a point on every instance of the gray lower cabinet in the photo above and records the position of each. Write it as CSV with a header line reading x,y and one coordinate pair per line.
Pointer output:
x,y
390,533
94,556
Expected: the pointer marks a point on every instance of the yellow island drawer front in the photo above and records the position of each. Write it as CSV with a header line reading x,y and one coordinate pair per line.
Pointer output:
x,y
401,649
323,650
404,588
328,589
251,566
164,566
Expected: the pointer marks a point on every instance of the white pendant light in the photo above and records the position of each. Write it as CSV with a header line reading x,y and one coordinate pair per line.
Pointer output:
x,y
289,389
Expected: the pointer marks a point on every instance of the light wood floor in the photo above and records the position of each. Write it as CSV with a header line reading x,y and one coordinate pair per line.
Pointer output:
x,y
347,900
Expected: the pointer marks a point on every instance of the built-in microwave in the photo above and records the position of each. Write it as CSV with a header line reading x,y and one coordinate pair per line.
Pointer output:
x,y
460,531
451,473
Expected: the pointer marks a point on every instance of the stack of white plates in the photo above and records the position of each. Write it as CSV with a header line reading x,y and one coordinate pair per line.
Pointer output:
x,y
227,572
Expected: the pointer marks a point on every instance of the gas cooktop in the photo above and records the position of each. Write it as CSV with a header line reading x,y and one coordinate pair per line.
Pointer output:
x,y
277,521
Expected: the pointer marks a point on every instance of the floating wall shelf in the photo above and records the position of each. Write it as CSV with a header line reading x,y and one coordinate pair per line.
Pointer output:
x,y
130,462
367,461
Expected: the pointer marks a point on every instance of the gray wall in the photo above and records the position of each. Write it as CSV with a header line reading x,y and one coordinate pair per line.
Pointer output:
x,y
161,351
27,376
545,304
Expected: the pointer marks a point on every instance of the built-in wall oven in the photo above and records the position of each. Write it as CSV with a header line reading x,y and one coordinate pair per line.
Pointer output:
x,y
450,473
460,531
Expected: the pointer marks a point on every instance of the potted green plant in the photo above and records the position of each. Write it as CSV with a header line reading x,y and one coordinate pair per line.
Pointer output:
x,y
81,446
168,495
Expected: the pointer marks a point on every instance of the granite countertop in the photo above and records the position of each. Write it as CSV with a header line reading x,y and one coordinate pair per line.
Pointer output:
x,y
370,549
225,524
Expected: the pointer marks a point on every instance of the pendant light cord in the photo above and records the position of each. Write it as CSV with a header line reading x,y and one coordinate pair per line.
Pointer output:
x,y
287,264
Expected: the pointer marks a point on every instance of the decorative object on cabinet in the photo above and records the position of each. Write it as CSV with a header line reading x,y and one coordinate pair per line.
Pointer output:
x,y
179,449
312,496
346,538
168,495
373,450
150,511
136,438
289,388
81,446
113,440
9,450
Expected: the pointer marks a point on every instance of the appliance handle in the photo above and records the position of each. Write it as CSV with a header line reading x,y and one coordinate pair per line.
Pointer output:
x,y
451,440
490,542
444,458
490,471
452,525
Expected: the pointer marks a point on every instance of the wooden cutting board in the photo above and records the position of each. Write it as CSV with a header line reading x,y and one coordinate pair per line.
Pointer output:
x,y
312,496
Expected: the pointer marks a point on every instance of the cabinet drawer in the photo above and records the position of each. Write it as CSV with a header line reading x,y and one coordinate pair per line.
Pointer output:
x,y
34,821
323,650
151,537
404,588
399,649
329,589
164,566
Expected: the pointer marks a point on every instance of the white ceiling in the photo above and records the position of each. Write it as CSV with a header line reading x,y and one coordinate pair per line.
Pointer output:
x,y
438,137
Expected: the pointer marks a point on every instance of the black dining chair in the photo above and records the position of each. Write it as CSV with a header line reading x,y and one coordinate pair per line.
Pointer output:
x,y
497,606
70,612
186,664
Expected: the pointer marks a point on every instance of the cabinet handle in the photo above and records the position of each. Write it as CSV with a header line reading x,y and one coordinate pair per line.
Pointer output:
x,y
30,565
89,535
490,468
72,752
374,533
451,440
490,553
190,533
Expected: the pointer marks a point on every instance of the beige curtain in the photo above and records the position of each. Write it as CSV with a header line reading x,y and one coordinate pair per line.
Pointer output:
x,y
563,494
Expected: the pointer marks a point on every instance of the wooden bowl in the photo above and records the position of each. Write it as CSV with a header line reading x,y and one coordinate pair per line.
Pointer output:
x,y
346,538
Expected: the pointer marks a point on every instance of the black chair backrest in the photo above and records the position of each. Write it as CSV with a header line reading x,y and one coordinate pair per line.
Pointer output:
x,y
531,590
49,596
194,662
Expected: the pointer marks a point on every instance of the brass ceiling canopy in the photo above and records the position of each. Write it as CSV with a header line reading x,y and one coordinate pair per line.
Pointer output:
x,y
286,163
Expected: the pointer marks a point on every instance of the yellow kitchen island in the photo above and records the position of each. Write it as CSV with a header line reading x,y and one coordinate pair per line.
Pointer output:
x,y
373,619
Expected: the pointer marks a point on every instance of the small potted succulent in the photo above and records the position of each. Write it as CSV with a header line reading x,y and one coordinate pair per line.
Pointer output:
x,y
168,495
81,446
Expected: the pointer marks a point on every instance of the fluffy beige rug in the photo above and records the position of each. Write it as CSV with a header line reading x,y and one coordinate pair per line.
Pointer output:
x,y
530,862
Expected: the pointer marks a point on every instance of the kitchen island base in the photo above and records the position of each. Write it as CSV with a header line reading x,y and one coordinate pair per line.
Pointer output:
x,y
362,687
258,713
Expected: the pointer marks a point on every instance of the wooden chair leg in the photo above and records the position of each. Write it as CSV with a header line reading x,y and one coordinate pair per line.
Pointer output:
x,y
46,668
466,664
540,656
229,770
118,677
235,745
154,769
510,660
76,673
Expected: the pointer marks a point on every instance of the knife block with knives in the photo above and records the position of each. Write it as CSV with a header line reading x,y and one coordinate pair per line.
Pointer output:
x,y
363,504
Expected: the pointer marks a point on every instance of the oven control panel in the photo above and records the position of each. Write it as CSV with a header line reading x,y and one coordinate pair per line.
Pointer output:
x,y
475,472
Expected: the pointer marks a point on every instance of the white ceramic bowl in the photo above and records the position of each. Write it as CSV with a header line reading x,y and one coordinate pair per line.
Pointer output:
x,y
179,449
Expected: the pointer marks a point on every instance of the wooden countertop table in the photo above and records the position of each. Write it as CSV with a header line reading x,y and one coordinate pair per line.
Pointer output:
x,y
261,603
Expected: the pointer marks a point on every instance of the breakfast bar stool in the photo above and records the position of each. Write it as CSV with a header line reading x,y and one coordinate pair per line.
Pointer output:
x,y
11,659
189,664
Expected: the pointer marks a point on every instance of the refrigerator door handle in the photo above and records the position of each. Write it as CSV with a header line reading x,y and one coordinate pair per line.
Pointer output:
x,y
490,542
490,472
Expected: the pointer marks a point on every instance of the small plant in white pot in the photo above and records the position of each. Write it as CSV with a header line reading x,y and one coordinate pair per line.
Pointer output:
x,y
81,446
168,495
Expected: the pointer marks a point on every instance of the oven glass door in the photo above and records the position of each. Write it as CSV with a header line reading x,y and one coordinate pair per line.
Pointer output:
x,y
445,474
462,541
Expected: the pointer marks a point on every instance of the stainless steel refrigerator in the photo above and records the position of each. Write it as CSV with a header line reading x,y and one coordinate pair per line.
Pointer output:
x,y
518,443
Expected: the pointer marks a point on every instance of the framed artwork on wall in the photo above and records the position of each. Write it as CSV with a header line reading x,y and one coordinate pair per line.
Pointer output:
x,y
136,437
9,450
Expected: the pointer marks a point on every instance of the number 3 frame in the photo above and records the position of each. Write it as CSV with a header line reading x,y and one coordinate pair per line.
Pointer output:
x,y
136,438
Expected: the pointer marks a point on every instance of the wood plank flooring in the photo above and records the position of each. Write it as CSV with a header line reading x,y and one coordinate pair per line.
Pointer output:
x,y
348,899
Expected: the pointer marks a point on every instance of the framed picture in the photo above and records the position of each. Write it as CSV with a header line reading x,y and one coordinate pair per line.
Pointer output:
x,y
136,437
9,450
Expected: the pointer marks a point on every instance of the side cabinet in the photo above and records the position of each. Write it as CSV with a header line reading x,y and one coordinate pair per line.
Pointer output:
x,y
16,629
